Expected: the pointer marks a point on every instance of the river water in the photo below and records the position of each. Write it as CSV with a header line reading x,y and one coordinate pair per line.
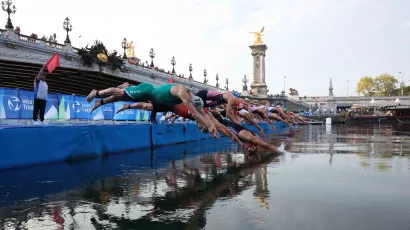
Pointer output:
x,y
331,177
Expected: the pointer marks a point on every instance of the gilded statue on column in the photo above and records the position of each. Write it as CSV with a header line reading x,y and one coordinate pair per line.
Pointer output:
x,y
258,35
130,49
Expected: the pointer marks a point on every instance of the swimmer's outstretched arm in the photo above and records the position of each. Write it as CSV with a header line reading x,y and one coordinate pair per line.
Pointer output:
x,y
280,119
222,128
185,97
249,118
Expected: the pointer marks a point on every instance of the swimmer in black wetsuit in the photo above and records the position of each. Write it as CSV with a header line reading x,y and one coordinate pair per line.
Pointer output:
x,y
248,117
230,99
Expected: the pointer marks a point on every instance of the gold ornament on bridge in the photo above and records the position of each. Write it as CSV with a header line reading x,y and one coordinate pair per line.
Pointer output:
x,y
102,57
258,35
130,49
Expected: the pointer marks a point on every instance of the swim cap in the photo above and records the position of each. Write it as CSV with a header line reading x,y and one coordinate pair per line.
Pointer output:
x,y
197,102
236,94
285,109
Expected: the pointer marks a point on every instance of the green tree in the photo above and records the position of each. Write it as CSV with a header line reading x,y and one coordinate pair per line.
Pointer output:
x,y
366,86
385,84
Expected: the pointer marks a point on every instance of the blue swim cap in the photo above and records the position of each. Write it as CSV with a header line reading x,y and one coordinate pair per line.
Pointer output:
x,y
236,93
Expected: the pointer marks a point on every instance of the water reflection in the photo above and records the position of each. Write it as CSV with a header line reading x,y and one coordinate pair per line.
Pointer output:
x,y
379,147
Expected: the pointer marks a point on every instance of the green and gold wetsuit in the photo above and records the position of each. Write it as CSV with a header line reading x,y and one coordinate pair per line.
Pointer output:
x,y
145,92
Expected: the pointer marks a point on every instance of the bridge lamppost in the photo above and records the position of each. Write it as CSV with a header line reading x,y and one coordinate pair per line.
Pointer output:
x,y
402,83
173,63
227,84
152,55
347,89
205,80
124,47
6,7
190,71
217,79
245,80
67,27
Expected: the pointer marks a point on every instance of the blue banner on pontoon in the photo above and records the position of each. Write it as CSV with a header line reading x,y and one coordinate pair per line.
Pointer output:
x,y
19,104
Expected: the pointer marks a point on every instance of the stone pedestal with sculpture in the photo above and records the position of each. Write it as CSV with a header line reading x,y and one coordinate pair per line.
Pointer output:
x,y
258,51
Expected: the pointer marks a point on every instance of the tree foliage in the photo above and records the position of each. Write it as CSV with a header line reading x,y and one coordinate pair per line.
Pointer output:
x,y
365,86
382,85
385,84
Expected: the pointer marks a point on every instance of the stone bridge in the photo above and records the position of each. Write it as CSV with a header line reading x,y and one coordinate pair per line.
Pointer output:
x,y
334,103
21,57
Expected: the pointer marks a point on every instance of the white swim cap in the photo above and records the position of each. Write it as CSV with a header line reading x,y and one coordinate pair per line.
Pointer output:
x,y
197,102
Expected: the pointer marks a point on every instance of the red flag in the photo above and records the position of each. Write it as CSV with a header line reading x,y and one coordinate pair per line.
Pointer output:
x,y
53,63
171,80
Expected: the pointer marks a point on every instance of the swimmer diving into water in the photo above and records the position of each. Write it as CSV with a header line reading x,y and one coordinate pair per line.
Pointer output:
x,y
165,94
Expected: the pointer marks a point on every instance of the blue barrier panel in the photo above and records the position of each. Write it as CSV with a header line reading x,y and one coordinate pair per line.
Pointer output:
x,y
27,104
251,127
280,125
118,138
127,115
192,133
65,102
11,103
107,112
265,126
80,109
51,107
19,104
37,145
45,144
2,110
165,134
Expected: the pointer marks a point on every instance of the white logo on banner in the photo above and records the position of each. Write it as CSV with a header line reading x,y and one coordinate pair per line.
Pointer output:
x,y
76,106
14,103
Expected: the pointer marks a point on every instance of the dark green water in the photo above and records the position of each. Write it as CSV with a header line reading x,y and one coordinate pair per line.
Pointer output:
x,y
339,177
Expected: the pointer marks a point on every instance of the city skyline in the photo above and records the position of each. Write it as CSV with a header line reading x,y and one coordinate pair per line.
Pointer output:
x,y
307,43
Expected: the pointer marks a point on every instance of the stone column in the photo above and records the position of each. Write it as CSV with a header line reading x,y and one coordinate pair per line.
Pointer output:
x,y
258,78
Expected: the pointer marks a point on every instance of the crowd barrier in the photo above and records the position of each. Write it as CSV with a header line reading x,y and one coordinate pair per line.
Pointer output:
x,y
19,104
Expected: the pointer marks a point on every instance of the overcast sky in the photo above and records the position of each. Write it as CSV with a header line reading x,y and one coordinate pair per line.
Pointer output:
x,y
308,41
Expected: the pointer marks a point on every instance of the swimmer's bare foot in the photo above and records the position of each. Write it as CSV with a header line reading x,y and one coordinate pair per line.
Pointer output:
x,y
91,96
97,104
124,85
123,107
